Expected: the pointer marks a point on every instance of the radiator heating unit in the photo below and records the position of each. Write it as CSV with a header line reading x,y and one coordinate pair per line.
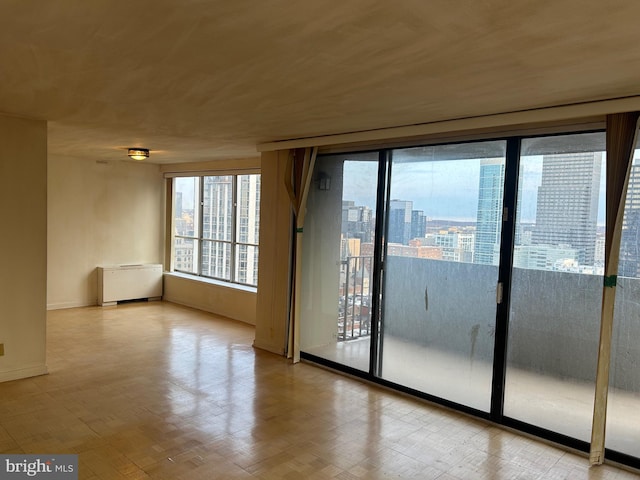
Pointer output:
x,y
129,282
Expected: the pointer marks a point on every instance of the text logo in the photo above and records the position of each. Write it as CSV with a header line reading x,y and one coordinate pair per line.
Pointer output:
x,y
50,467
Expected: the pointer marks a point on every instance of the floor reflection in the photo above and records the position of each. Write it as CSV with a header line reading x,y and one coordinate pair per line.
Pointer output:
x,y
165,392
555,404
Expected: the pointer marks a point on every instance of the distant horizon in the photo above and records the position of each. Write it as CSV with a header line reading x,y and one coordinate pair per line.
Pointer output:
x,y
449,189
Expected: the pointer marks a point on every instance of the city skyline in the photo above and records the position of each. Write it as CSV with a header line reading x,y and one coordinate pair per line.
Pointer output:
x,y
216,226
489,212
459,204
630,241
563,236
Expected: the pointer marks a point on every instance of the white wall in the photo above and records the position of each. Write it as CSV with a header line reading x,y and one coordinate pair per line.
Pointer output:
x,y
23,247
99,214
232,302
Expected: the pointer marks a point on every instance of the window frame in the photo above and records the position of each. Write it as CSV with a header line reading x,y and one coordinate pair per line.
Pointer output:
x,y
506,267
199,239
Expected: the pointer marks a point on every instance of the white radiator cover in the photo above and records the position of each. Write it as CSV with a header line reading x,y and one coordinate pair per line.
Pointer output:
x,y
129,282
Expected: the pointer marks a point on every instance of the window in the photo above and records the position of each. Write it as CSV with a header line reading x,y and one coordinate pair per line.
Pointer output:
x,y
471,274
216,227
556,283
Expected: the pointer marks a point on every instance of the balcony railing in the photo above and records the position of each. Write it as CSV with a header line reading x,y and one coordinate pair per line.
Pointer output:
x,y
354,310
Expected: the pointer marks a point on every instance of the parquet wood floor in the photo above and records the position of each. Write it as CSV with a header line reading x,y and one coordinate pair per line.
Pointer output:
x,y
155,390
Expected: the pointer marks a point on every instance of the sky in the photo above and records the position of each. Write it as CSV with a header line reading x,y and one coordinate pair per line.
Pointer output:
x,y
446,189
186,185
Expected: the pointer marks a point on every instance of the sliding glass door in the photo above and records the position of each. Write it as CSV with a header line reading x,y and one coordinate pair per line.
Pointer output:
x,y
336,321
556,286
441,270
472,274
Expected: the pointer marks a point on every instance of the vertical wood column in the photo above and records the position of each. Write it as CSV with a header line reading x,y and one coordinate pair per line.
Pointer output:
x,y
621,140
273,299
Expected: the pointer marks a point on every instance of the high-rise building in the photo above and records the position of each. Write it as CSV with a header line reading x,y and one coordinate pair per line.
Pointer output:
x,y
544,257
217,210
357,221
567,206
216,229
248,228
183,248
629,265
489,215
455,247
418,224
177,207
400,221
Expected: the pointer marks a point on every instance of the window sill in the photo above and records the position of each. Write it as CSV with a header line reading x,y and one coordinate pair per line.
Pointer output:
x,y
212,281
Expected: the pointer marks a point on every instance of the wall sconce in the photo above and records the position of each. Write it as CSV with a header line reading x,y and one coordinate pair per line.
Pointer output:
x,y
138,153
324,181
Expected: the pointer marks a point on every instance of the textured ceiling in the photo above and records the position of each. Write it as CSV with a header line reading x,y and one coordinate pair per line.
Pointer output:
x,y
205,79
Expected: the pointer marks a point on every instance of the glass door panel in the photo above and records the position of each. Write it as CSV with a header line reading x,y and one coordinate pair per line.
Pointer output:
x,y
556,285
441,270
338,259
623,406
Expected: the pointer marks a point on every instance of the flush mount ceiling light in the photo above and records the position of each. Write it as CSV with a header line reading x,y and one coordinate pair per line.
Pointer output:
x,y
138,153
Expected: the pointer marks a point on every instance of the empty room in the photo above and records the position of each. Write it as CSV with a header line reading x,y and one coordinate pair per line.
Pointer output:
x,y
320,240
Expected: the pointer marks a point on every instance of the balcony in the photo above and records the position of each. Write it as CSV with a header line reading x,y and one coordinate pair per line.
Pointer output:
x,y
354,306
438,337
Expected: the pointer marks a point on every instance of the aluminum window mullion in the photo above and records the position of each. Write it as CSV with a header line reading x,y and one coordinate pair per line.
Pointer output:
x,y
234,217
200,225
507,243
382,198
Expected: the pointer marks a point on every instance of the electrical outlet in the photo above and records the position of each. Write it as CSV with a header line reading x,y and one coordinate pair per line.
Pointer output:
x,y
1,349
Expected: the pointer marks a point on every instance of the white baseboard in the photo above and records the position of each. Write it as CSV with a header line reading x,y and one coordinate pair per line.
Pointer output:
x,y
27,372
